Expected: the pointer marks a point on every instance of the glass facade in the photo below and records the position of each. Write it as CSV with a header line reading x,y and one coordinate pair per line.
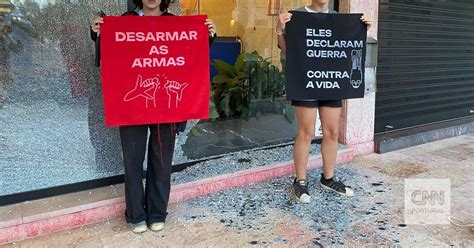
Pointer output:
x,y
52,130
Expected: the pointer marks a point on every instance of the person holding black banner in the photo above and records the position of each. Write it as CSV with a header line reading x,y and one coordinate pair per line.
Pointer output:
x,y
306,116
149,206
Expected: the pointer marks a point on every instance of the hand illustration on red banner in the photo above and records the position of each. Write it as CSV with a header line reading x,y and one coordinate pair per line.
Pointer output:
x,y
146,89
176,88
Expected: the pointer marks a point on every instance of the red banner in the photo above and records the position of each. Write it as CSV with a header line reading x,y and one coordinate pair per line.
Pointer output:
x,y
154,69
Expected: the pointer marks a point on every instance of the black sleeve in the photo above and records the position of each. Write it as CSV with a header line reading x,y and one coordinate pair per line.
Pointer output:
x,y
93,35
180,127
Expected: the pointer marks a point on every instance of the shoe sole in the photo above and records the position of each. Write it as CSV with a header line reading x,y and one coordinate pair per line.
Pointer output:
x,y
140,228
157,230
138,232
333,190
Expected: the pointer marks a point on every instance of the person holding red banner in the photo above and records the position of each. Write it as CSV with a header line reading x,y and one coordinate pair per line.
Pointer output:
x,y
148,207
306,116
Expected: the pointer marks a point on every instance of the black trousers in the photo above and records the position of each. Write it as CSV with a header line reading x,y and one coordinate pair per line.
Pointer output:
x,y
150,204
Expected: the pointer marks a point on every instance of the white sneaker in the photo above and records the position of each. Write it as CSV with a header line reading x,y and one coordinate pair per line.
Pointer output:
x,y
300,191
139,227
157,226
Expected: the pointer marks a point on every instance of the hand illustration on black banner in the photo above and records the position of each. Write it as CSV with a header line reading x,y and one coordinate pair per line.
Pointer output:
x,y
146,89
177,89
356,72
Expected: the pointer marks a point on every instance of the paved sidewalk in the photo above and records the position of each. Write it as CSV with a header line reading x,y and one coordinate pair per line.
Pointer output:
x,y
266,215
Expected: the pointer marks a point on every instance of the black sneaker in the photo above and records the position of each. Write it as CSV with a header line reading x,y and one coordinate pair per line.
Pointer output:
x,y
300,190
335,185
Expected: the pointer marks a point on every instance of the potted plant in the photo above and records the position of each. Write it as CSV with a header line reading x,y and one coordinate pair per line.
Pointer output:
x,y
249,87
248,109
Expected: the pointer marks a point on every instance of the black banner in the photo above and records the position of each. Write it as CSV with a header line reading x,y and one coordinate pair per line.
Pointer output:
x,y
325,56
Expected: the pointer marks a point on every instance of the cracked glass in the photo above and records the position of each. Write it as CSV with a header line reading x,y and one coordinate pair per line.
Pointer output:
x,y
52,130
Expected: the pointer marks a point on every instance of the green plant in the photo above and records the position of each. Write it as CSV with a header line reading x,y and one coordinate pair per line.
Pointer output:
x,y
251,78
265,79
231,88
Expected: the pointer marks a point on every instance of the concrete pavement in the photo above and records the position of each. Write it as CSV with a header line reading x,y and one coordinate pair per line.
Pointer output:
x,y
266,215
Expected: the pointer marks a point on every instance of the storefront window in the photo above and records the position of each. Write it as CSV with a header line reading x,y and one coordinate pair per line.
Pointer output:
x,y
52,130
248,97
51,112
